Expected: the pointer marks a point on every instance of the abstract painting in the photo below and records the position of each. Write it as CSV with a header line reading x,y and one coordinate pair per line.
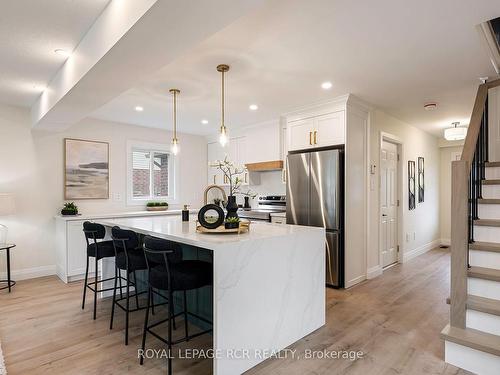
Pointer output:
x,y
86,169
411,184
420,179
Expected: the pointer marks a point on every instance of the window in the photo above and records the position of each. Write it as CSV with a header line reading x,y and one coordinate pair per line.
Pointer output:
x,y
150,173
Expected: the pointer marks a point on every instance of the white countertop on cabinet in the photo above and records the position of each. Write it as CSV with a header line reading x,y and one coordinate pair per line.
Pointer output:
x,y
123,214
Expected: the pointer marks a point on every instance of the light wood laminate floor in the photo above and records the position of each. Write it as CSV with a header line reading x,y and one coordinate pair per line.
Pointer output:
x,y
394,319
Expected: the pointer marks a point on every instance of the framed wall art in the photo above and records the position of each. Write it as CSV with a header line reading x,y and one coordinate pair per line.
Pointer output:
x,y
421,185
411,185
86,169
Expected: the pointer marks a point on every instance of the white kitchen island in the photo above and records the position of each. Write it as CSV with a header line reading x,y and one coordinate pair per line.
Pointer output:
x,y
269,285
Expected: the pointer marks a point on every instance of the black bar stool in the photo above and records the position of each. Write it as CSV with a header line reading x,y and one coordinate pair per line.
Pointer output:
x,y
129,258
170,273
98,250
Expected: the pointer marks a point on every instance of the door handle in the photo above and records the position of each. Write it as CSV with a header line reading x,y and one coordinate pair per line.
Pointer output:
x,y
315,133
384,215
310,138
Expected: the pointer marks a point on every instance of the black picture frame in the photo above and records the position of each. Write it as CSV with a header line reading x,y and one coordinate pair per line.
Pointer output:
x,y
411,185
211,225
421,179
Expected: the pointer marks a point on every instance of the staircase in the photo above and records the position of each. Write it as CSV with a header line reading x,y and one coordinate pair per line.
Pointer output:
x,y
472,339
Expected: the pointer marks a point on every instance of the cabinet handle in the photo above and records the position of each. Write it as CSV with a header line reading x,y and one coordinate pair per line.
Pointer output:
x,y
310,138
215,176
283,175
246,177
315,140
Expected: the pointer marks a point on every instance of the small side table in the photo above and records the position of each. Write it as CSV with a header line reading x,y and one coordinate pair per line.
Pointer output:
x,y
10,283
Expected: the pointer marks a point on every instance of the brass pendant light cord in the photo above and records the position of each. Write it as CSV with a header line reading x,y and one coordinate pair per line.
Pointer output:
x,y
174,112
222,101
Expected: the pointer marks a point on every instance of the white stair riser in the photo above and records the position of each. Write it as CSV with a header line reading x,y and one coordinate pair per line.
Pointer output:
x,y
486,234
470,359
483,288
485,322
489,211
491,191
492,173
486,259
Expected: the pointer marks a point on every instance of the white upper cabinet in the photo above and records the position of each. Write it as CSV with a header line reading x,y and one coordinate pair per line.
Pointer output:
x,y
329,129
300,134
316,131
263,142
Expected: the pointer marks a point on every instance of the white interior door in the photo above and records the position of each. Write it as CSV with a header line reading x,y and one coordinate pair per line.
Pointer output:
x,y
389,203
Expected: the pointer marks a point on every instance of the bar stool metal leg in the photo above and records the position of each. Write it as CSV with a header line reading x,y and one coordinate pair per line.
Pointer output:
x,y
8,269
186,317
114,299
128,308
85,284
95,284
144,332
170,323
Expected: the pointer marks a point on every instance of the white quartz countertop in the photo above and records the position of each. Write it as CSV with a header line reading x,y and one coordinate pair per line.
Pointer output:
x,y
173,228
124,215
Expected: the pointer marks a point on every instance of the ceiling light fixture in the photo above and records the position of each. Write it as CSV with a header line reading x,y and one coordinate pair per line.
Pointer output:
x,y
455,133
204,122
139,108
175,142
253,107
223,139
62,52
326,85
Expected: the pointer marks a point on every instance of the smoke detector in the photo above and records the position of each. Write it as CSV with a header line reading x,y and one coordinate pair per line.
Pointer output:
x,y
430,106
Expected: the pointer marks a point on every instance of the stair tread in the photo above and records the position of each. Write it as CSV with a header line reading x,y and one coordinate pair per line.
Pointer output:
x,y
482,304
472,338
492,164
487,222
484,273
488,201
485,246
495,181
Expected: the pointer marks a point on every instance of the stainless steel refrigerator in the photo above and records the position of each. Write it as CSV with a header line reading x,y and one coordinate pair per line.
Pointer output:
x,y
315,197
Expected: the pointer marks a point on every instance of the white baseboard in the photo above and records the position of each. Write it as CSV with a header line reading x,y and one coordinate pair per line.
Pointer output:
x,y
30,273
373,272
421,250
355,281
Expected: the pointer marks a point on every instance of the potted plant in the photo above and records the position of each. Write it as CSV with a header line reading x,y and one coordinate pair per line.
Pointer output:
x,y
69,208
232,223
232,175
156,206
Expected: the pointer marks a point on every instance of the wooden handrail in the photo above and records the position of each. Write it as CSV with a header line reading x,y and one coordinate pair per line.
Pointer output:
x,y
459,210
475,121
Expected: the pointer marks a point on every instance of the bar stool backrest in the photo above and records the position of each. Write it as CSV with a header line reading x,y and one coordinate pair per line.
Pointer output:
x,y
160,251
93,231
124,238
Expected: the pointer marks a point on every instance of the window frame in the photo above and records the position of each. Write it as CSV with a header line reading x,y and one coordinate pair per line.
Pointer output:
x,y
133,146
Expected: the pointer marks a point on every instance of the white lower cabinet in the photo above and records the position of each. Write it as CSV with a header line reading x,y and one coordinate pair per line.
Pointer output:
x,y
278,219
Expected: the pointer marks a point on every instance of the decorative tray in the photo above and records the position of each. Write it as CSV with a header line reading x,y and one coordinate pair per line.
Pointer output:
x,y
243,228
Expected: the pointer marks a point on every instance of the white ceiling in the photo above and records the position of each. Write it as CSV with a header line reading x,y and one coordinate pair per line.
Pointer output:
x,y
30,31
394,54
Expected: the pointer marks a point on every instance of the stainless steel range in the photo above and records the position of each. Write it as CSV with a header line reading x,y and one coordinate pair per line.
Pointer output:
x,y
266,205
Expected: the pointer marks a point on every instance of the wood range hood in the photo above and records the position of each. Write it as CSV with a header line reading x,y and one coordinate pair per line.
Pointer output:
x,y
274,165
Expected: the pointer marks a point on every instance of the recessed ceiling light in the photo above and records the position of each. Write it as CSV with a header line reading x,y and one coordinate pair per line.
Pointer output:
x,y
253,107
62,52
139,108
204,122
326,85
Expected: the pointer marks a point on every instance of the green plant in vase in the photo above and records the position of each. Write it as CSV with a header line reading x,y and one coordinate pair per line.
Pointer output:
x,y
232,222
69,208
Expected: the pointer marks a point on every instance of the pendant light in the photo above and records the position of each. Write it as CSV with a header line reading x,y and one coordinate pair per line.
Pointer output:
x,y
223,139
175,142
455,133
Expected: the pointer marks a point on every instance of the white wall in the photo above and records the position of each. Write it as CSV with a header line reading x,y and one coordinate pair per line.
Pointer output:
x,y
447,155
31,166
424,220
